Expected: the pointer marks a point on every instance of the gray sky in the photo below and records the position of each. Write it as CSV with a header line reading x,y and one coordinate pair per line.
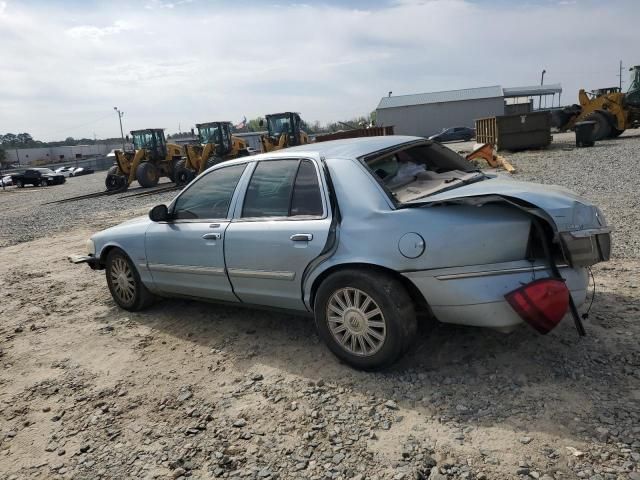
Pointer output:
x,y
66,64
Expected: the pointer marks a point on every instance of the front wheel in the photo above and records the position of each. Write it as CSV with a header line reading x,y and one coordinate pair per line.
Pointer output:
x,y
602,128
19,184
615,132
147,175
366,318
124,283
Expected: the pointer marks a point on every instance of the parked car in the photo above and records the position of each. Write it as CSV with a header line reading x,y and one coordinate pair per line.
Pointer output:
x,y
364,234
66,171
6,181
453,134
38,177
76,172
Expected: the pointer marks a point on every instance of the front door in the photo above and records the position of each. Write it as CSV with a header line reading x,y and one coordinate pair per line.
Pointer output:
x,y
280,227
185,255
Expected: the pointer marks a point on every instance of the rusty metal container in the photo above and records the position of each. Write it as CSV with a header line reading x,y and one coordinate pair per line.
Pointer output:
x,y
515,132
355,133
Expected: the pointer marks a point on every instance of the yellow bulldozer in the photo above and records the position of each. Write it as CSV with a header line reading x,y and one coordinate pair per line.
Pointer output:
x,y
151,159
215,144
612,110
283,130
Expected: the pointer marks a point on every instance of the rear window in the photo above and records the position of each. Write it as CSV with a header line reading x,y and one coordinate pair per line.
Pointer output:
x,y
420,170
427,157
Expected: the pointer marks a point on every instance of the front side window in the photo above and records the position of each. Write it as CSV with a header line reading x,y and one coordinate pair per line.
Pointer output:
x,y
283,188
209,197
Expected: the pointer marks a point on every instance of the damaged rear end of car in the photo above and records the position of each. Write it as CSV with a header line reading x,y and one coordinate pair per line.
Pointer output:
x,y
567,235
520,251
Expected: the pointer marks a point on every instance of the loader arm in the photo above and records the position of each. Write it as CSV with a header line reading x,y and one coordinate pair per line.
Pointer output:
x,y
137,159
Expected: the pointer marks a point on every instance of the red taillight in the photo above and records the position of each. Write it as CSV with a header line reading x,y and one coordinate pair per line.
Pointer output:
x,y
541,303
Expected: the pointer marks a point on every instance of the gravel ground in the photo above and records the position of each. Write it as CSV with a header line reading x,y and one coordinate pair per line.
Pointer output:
x,y
25,215
188,389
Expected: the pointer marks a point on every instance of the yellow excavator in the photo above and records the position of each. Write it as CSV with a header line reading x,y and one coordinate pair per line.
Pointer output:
x,y
612,110
151,159
216,144
283,130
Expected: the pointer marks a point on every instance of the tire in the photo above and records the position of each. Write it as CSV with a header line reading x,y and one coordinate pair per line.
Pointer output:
x,y
615,132
115,182
19,184
212,162
172,169
183,175
113,170
394,327
43,183
602,128
124,282
147,175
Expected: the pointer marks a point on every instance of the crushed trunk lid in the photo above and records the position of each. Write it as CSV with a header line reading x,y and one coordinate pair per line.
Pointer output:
x,y
578,225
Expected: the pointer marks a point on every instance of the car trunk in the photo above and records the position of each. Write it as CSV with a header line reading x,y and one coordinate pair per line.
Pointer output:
x,y
574,226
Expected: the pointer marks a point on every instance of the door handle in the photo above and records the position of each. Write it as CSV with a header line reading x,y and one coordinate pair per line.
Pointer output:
x,y
301,237
211,236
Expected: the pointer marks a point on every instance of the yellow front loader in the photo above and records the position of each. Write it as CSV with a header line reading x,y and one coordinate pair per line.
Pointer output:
x,y
151,159
283,130
216,144
612,110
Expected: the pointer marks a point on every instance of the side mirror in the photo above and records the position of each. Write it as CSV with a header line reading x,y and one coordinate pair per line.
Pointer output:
x,y
261,122
127,137
159,213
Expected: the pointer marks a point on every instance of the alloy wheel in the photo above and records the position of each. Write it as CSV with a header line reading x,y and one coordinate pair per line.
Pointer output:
x,y
356,321
122,280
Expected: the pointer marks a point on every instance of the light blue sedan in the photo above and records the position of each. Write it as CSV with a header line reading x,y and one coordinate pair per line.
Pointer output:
x,y
365,234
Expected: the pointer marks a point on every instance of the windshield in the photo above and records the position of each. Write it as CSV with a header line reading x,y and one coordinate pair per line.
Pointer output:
x,y
142,140
45,170
422,170
209,133
279,125
633,94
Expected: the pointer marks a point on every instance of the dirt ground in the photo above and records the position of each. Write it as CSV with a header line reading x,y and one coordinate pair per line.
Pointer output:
x,y
190,389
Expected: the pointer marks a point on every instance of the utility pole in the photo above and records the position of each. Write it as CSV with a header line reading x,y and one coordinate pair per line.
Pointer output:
x,y
120,115
620,74
541,83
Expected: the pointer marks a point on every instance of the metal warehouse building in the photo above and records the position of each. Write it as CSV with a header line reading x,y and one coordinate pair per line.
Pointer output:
x,y
424,114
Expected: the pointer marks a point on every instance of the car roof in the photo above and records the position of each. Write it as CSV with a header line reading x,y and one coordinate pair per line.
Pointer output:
x,y
349,147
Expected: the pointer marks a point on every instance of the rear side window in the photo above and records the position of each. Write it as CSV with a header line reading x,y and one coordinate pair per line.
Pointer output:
x,y
209,197
306,198
283,188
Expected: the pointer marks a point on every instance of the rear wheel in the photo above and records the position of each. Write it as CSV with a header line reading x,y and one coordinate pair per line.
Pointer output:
x,y
602,128
147,175
183,175
366,318
124,283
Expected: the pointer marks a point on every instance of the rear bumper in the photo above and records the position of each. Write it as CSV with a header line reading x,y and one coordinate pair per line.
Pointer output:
x,y
475,296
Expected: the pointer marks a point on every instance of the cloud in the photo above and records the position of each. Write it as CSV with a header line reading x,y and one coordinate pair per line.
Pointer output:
x,y
153,4
332,60
3,8
94,33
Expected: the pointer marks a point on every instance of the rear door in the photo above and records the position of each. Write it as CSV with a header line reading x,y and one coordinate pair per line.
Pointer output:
x,y
280,226
185,255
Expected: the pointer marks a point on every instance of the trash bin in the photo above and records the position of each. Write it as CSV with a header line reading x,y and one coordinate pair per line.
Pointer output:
x,y
584,134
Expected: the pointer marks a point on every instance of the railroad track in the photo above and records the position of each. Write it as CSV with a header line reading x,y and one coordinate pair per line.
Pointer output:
x,y
143,193
170,188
